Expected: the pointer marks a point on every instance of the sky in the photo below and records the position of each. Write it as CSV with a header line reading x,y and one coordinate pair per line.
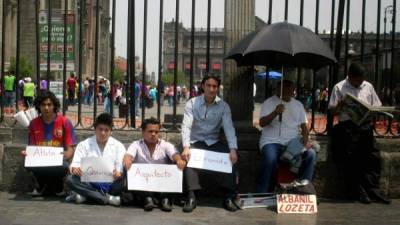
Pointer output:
x,y
217,19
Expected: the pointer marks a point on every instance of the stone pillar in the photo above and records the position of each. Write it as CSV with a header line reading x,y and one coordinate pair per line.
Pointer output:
x,y
238,81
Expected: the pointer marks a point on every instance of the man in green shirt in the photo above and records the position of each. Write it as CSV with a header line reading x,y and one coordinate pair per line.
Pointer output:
x,y
29,92
9,89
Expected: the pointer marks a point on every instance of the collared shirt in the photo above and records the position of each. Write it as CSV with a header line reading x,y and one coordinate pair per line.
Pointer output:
x,y
292,117
202,122
113,151
162,154
365,92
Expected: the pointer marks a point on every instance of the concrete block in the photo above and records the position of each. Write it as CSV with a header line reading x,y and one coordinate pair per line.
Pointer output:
x,y
1,162
15,177
19,135
5,136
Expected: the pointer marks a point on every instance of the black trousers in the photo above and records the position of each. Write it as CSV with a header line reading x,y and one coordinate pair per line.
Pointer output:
x,y
193,176
353,149
50,178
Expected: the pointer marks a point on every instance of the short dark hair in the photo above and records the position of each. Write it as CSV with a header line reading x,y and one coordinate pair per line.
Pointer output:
x,y
285,82
43,97
211,76
356,70
105,119
151,120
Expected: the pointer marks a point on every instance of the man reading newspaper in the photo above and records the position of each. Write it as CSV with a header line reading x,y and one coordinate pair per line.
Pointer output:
x,y
353,142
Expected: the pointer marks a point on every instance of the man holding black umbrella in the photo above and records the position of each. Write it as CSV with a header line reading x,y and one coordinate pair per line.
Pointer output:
x,y
353,145
281,117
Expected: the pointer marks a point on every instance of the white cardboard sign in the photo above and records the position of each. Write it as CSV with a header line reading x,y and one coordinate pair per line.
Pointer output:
x,y
155,178
42,156
96,169
209,160
289,203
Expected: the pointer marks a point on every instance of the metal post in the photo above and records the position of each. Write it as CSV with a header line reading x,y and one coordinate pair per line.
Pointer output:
x,y
159,90
96,57
270,12
65,54
286,9
363,30
338,46
112,61
144,59
392,72
3,39
49,31
377,48
192,48
208,37
37,32
80,62
301,12
346,46
17,60
131,62
176,60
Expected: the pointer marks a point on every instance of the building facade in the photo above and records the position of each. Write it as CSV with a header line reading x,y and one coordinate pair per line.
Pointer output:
x,y
200,48
28,35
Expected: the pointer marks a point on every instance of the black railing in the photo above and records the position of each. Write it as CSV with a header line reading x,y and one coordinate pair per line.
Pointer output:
x,y
90,43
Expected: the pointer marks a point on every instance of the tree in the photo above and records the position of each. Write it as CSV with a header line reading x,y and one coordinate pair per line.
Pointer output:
x,y
168,78
118,75
25,68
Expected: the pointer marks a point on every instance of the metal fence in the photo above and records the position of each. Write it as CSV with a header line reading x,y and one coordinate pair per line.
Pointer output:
x,y
383,54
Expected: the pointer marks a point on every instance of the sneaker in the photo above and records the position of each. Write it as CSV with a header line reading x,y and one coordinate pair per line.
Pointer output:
x,y
71,197
80,199
114,200
61,193
36,193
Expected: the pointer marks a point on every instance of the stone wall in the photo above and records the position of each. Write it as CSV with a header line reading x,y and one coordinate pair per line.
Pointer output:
x,y
14,178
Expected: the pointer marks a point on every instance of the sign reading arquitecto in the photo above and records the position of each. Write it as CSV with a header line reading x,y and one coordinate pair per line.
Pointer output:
x,y
57,42
96,169
41,156
290,203
155,178
209,160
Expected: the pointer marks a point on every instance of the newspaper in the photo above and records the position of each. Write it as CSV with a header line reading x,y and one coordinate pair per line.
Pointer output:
x,y
360,111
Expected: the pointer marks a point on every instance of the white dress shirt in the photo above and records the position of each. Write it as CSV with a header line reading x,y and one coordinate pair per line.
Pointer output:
x,y
365,92
113,151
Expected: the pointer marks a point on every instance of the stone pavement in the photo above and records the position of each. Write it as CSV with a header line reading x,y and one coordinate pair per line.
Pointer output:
x,y
23,210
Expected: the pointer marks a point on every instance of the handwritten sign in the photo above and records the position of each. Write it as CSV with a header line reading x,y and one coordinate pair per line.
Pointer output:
x,y
95,169
155,178
209,160
288,203
41,156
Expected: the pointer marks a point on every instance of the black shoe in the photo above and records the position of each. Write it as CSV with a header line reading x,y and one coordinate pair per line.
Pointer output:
x,y
190,204
229,205
165,205
148,204
379,197
364,198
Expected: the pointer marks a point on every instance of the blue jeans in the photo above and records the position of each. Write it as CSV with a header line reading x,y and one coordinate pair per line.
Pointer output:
x,y
9,98
87,190
269,165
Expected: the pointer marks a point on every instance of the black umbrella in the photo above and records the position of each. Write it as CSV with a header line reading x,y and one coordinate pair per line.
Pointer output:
x,y
283,45
236,52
